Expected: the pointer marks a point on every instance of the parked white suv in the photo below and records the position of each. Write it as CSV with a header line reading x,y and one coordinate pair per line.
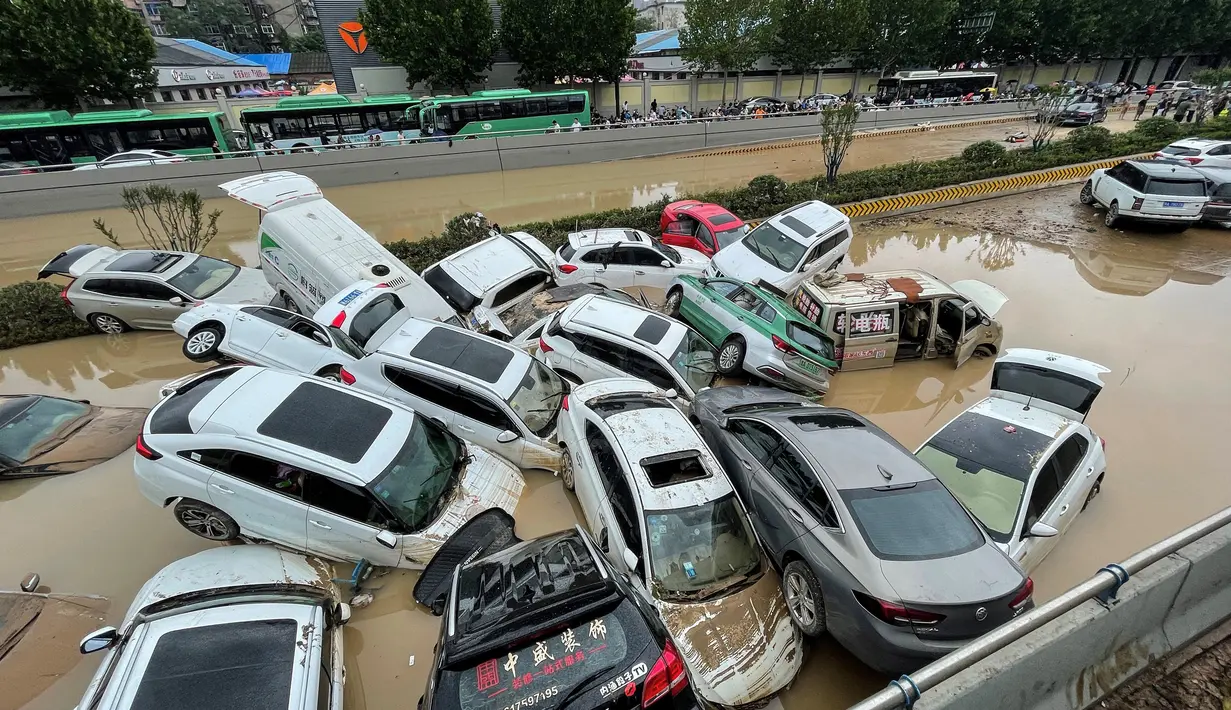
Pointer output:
x,y
314,466
1206,152
192,623
623,258
1147,191
788,248
595,337
482,390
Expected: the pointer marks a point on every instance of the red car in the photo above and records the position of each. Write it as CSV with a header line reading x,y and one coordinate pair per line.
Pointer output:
x,y
703,226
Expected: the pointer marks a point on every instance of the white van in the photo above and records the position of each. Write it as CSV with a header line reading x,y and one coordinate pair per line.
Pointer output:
x,y
310,250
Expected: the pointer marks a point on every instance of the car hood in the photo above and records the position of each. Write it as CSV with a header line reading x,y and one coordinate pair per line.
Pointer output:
x,y
692,260
737,262
976,576
988,297
39,635
739,648
248,287
107,433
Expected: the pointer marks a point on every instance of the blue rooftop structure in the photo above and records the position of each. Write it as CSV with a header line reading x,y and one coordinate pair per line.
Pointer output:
x,y
658,41
210,49
275,63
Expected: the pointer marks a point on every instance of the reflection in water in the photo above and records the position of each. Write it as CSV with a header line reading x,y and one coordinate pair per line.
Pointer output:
x,y
1112,273
908,386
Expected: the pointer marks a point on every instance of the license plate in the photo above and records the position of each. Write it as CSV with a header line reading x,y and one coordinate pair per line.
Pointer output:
x,y
1173,204
474,321
807,366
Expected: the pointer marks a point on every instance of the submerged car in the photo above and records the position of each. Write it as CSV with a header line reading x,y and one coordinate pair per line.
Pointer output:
x,y
1023,461
241,626
115,291
314,466
755,329
623,258
44,436
549,622
663,512
703,226
872,547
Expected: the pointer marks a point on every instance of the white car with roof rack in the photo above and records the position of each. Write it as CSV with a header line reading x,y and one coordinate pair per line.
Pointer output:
x,y
482,390
789,248
623,258
188,624
663,512
1023,461
313,466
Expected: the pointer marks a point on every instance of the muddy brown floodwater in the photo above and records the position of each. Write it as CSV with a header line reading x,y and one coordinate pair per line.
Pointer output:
x,y
1150,305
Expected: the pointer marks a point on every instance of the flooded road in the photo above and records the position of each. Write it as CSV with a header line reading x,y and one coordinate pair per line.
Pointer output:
x,y
1148,305
413,209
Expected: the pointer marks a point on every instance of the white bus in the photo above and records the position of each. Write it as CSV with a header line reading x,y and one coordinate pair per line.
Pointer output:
x,y
935,84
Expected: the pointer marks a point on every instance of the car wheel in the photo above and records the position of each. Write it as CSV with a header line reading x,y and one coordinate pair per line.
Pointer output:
x,y
107,323
674,299
1113,214
1087,193
202,343
1098,486
984,351
206,521
566,470
803,598
333,372
731,356
289,304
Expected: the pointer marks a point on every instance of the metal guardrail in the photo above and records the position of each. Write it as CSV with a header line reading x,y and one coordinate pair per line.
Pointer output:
x,y
906,690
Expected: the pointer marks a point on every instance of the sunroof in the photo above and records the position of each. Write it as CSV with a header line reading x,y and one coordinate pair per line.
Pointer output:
x,y
327,421
797,226
607,406
720,219
652,329
675,467
474,355
144,262
816,422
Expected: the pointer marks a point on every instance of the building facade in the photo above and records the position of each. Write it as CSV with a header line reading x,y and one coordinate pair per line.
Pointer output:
x,y
296,17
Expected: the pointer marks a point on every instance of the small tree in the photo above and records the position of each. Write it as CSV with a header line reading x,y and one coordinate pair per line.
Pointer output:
x,y
167,219
462,39
837,134
1048,104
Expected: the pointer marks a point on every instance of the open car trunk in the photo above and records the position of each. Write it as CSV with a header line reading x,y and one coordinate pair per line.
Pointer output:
x,y
1062,384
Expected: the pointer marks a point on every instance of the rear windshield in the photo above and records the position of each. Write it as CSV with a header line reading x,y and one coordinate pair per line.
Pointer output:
x,y
1182,188
454,293
1068,391
567,251
372,316
812,340
774,247
172,416
1178,150
918,522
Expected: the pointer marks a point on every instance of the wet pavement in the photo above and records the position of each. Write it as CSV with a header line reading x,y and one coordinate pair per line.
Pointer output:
x,y
1149,305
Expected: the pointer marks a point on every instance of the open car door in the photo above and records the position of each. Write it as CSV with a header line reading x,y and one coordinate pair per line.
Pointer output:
x,y
273,191
1057,383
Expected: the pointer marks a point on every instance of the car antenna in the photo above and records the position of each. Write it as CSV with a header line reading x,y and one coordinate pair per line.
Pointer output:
x,y
885,472
1029,400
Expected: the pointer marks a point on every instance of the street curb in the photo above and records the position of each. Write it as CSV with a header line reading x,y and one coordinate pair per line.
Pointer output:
x,y
873,133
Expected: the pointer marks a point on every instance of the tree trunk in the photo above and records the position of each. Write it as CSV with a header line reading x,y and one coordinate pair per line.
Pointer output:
x,y
1034,70
593,96
724,87
1153,70
855,86
619,112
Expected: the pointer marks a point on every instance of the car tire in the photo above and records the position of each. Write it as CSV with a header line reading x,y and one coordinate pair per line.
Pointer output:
x,y
803,597
332,373
289,304
206,521
1094,491
1113,215
672,305
567,473
202,342
107,323
731,356
1086,196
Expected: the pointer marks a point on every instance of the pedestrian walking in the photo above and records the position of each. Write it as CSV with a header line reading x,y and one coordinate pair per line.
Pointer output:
x,y
1123,109
1141,108
654,106
1181,110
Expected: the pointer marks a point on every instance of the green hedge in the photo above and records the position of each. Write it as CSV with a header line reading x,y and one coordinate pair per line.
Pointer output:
x,y
32,312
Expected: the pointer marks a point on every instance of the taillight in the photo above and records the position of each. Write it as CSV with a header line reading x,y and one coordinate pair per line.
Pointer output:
x,y
784,346
1023,595
896,614
544,347
564,403
566,268
1193,161
1103,443
144,450
64,295
346,377
339,319
667,676
1137,201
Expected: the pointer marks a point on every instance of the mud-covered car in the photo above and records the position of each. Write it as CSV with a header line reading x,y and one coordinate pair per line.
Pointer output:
x,y
43,436
545,622
534,311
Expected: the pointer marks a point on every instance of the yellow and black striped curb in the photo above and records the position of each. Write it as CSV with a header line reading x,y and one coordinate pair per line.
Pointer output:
x,y
872,133
982,187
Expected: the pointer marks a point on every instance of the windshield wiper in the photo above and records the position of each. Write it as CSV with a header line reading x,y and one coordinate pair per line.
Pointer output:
x,y
581,687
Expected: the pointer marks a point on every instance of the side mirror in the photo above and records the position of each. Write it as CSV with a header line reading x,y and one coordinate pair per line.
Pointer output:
x,y
631,559
341,613
672,394
604,543
506,436
102,639
1043,530
387,539
808,266
177,301
665,264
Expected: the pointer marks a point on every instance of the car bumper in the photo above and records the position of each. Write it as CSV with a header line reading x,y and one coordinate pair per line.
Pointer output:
x,y
1162,218
782,373
890,650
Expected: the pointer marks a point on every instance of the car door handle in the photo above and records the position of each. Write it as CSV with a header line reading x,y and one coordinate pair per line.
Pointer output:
x,y
281,335
221,489
795,514
465,428
894,339
639,272
112,303
1063,509
320,525
747,466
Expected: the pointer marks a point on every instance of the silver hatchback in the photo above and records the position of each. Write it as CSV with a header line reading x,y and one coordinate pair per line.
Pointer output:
x,y
115,290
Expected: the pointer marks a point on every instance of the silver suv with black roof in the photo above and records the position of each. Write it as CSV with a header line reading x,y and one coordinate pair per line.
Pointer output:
x,y
314,466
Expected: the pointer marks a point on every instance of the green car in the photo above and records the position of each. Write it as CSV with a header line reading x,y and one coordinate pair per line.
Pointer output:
x,y
754,329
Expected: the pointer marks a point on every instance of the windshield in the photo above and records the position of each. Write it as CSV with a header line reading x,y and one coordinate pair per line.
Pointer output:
x,y
730,236
774,247
416,484
204,277
28,422
537,399
693,360
697,552
917,521
1182,188
669,252
457,296
371,317
991,496
343,342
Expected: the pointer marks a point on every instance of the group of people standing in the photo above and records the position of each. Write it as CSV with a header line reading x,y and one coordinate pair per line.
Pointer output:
x,y
1186,106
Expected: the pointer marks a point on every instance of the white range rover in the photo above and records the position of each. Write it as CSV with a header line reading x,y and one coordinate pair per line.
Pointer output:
x,y
1147,191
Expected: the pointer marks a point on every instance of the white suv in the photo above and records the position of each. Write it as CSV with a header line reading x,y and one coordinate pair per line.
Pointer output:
x,y
481,389
788,248
241,626
595,337
623,258
314,466
1206,152
1147,191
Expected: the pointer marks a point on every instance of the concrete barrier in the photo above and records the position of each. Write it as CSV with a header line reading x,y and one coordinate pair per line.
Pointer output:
x,y
52,192
1076,660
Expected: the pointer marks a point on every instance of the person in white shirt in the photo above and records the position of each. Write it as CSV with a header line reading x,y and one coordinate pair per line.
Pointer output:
x,y
576,127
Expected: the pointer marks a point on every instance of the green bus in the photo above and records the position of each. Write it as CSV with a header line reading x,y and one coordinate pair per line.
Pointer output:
x,y
298,122
58,138
500,110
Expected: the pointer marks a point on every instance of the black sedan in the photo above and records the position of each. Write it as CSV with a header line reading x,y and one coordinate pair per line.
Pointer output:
x,y
1082,114
43,436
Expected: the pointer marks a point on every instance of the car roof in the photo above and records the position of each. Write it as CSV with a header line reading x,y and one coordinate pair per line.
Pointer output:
x,y
161,264
482,360
808,221
628,321
1171,171
1213,173
645,434
483,266
858,289
1198,142
1020,414
589,237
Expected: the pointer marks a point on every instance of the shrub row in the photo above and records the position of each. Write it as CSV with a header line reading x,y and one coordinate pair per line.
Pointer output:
x,y
32,312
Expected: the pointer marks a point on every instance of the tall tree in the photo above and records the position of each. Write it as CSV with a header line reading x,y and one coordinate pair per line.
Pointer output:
x,y
727,35
444,43
65,51
577,39
901,33
310,41
209,20
806,35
